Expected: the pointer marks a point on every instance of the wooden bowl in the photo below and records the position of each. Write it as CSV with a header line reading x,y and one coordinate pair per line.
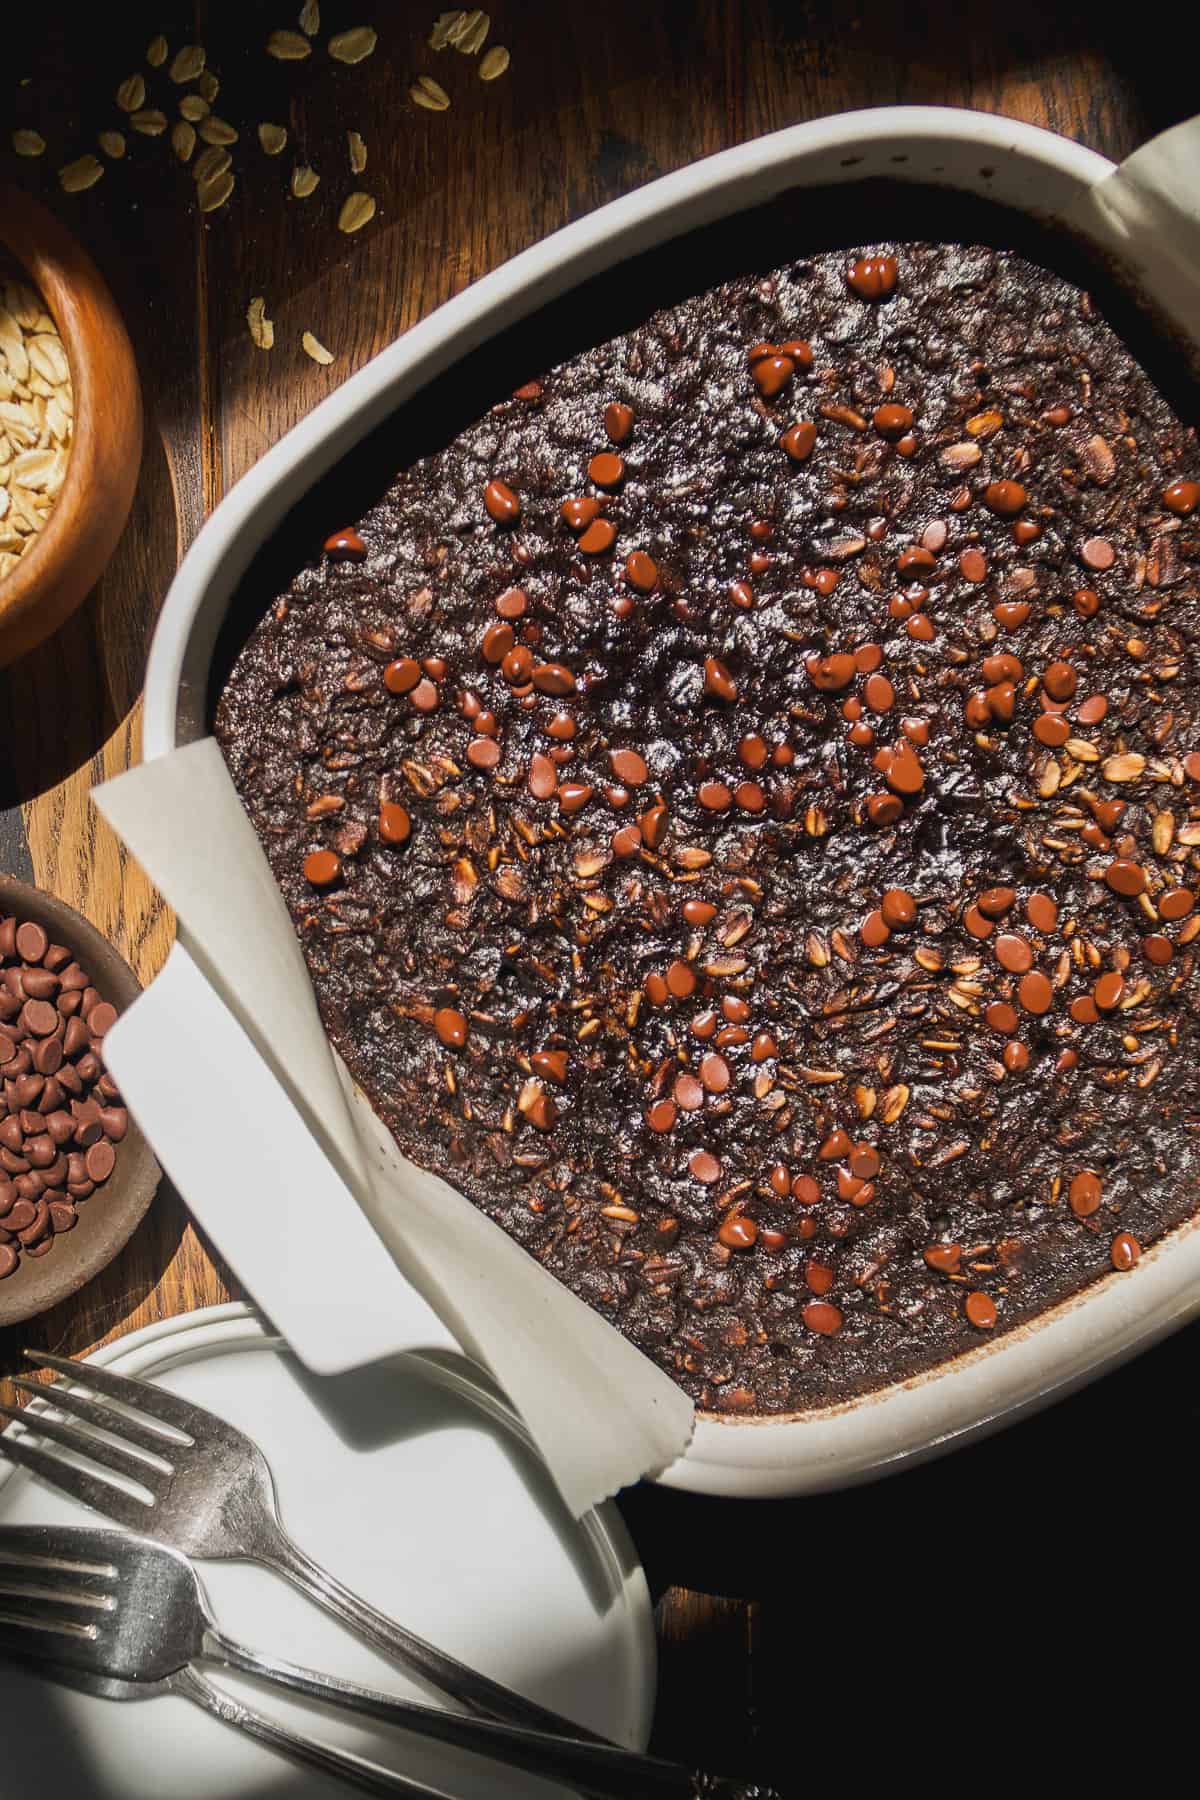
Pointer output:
x,y
64,563
108,1219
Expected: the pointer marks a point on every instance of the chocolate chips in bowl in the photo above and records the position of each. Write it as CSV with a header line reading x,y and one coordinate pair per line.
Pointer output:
x,y
76,1175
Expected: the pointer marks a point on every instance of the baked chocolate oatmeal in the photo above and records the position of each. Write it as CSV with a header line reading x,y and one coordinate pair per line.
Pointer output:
x,y
740,803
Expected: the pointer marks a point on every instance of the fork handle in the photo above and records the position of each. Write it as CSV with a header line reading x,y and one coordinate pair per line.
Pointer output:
x,y
477,1692
603,1771
356,1771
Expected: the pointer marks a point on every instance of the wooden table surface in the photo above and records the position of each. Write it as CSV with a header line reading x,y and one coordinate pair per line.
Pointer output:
x,y
973,1596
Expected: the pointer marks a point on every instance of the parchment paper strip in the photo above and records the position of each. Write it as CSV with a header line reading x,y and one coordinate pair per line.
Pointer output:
x,y
600,1412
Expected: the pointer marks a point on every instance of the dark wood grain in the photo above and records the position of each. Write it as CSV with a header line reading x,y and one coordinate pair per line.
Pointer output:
x,y
839,1631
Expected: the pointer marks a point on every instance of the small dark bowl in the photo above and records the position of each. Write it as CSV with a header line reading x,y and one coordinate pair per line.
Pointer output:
x,y
110,1217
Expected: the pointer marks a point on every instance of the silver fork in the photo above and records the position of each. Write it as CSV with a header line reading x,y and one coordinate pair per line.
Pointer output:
x,y
212,1496
24,1637
109,1604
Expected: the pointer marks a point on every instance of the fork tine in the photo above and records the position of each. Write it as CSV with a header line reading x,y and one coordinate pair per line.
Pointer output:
x,y
95,1412
141,1395
22,1567
26,1626
77,1484
46,1584
96,1449
25,1588
75,1549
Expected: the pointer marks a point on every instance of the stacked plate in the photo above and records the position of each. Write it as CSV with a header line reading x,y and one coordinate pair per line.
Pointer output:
x,y
414,1484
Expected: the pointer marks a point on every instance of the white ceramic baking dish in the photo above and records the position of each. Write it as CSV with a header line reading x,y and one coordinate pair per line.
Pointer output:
x,y
1141,223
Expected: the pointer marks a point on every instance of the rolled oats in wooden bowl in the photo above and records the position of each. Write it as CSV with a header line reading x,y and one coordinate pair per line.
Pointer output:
x,y
70,424
37,406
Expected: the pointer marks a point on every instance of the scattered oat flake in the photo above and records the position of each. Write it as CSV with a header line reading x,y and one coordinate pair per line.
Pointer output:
x,y
183,139
150,122
357,210
305,181
84,172
288,46
112,143
310,18
458,30
427,92
193,107
215,191
443,25
470,35
208,87
261,328
28,143
358,152
494,63
188,63
156,52
210,162
352,46
131,94
314,348
217,131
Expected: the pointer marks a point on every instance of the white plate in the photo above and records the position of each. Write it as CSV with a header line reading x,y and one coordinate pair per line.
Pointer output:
x,y
411,1483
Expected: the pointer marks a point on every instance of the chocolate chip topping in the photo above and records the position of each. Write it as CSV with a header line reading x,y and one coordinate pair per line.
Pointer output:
x,y
618,421
753,854
873,277
501,502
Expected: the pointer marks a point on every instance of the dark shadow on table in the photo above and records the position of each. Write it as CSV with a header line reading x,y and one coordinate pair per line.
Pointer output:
x,y
996,1589
910,54
1148,1411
